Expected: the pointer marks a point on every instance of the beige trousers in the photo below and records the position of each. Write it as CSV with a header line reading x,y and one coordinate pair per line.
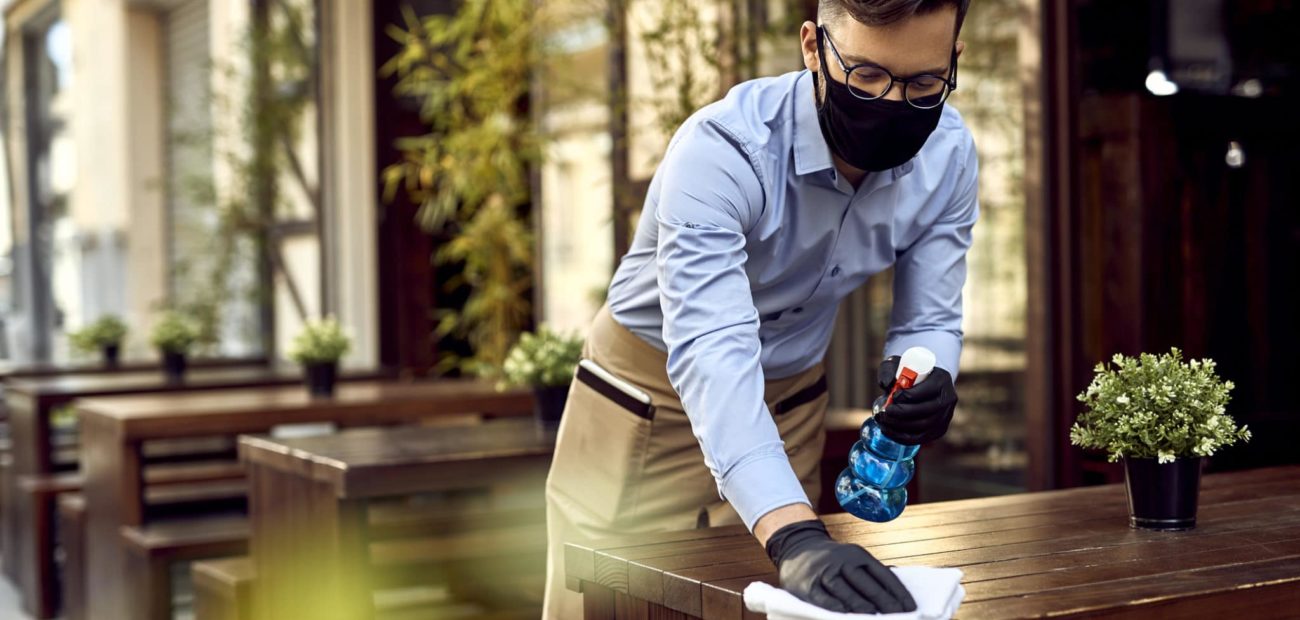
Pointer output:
x,y
617,473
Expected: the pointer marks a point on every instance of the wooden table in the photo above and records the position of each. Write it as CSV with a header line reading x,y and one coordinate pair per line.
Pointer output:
x,y
1067,554
309,499
31,401
33,370
114,429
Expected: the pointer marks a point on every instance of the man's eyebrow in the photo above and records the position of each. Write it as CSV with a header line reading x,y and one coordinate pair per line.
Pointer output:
x,y
853,60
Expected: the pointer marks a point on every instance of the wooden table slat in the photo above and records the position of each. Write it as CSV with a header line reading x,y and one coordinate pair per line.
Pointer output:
x,y
1183,590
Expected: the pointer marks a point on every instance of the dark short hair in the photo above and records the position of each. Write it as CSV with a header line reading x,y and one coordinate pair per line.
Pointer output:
x,y
885,12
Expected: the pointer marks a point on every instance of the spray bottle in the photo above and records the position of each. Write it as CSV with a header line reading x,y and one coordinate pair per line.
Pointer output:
x,y
873,486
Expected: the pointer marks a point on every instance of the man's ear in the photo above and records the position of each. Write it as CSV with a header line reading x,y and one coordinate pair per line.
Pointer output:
x,y
808,45
961,45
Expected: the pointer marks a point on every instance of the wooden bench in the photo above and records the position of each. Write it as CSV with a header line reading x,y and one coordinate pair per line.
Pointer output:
x,y
223,588
156,546
172,488
223,591
412,547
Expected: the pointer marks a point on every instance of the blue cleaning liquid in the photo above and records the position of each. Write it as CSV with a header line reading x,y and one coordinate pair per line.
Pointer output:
x,y
872,487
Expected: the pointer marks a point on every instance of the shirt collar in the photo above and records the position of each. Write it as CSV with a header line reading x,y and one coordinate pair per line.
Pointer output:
x,y
811,153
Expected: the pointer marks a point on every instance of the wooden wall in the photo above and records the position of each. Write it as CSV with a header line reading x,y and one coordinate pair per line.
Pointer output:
x,y
1152,240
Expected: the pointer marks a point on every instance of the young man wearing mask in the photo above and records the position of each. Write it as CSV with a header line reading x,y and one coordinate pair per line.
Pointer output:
x,y
769,207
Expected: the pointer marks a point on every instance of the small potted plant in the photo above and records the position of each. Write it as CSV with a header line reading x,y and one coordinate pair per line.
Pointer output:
x,y
319,347
1162,416
173,336
544,361
105,336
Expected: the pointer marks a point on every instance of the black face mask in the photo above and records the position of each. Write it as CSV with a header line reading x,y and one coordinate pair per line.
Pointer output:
x,y
871,135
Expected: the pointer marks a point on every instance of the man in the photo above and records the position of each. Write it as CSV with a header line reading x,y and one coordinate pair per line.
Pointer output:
x,y
769,207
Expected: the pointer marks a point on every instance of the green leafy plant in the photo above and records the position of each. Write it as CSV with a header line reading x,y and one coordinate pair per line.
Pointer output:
x,y
471,73
64,417
175,333
1157,406
545,358
320,341
109,330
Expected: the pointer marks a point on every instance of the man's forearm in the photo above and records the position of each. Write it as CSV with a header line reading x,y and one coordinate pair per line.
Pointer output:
x,y
769,523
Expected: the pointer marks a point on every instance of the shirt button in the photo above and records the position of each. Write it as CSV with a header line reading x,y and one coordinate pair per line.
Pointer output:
x,y
835,271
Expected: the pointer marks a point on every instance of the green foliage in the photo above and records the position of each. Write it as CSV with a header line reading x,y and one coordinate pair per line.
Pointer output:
x,y
494,247
320,341
1157,406
107,331
175,333
64,417
470,73
546,358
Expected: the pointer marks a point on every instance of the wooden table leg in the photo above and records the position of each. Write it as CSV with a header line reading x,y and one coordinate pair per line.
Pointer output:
x,y
309,549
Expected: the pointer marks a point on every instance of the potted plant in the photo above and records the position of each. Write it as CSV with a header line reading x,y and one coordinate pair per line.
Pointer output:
x,y
544,361
173,336
1162,416
104,335
319,347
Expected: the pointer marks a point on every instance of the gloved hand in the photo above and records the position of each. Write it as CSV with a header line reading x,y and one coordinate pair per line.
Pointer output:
x,y
920,414
834,576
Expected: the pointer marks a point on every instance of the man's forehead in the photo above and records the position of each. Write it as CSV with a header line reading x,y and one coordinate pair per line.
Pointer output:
x,y
919,44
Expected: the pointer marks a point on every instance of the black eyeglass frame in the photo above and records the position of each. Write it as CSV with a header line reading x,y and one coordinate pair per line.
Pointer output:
x,y
848,71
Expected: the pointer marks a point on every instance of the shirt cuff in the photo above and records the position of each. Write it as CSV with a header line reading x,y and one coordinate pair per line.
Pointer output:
x,y
760,485
946,348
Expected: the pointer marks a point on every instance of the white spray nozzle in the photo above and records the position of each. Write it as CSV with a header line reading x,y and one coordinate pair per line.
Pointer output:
x,y
919,360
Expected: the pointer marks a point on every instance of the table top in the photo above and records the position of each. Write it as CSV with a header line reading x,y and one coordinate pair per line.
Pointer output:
x,y
156,415
135,382
389,461
1059,552
25,370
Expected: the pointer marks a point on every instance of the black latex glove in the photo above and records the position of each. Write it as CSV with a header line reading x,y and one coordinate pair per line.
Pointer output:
x,y
920,414
835,576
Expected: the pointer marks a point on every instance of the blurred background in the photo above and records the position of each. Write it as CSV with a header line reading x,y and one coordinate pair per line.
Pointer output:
x,y
442,175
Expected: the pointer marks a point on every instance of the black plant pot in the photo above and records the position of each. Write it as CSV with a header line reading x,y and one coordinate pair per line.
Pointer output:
x,y
548,404
320,377
1162,496
111,355
174,366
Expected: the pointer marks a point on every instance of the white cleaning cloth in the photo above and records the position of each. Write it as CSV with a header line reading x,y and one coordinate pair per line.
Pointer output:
x,y
937,592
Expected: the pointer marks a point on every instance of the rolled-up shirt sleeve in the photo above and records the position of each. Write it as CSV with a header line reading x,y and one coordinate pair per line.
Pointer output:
x,y
929,275
710,195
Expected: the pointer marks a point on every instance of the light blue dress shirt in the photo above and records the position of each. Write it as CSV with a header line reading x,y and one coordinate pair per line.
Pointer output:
x,y
747,243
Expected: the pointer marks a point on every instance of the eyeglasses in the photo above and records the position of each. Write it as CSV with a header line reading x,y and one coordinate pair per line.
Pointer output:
x,y
871,81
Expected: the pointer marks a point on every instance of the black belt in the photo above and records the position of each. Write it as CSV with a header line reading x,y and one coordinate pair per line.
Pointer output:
x,y
802,397
794,401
